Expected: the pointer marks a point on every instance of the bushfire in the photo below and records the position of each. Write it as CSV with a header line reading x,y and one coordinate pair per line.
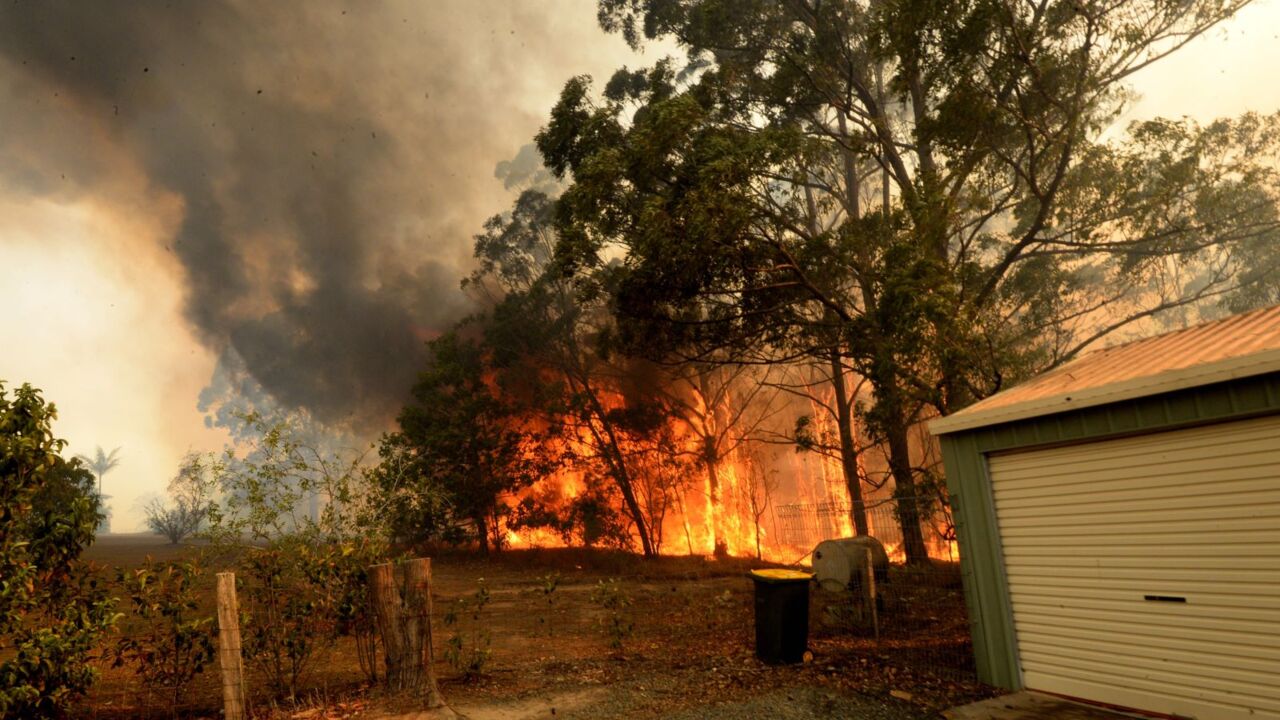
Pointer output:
x,y
756,492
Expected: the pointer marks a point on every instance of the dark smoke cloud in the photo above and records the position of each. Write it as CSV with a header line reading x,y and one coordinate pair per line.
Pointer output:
x,y
322,152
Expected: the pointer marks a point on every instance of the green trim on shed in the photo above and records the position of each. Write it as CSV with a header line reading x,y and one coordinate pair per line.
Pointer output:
x,y
964,454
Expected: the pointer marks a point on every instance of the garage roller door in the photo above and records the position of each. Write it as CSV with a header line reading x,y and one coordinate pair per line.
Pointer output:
x,y
1145,571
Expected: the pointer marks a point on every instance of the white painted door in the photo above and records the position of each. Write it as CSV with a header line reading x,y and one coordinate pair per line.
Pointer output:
x,y
1145,571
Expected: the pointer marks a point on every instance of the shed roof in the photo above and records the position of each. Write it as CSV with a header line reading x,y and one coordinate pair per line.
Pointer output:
x,y
1233,347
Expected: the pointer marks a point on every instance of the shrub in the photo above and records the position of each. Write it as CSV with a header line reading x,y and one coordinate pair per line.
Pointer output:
x,y
52,607
468,648
297,517
285,623
617,625
189,490
549,583
346,587
301,594
176,522
588,519
175,641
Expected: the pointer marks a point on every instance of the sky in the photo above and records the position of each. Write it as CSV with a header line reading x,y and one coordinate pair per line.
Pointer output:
x,y
146,156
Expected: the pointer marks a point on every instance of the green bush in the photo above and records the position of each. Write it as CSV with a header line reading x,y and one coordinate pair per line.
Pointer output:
x,y
174,641
53,608
299,595
295,516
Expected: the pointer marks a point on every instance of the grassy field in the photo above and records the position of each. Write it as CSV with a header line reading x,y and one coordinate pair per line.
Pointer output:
x,y
691,650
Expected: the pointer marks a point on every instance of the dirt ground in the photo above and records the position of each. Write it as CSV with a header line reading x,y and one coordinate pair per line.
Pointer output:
x,y
689,656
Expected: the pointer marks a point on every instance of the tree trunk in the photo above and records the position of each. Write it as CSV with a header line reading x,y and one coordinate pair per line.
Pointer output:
x,y
482,531
844,411
848,451
711,422
684,518
905,491
633,509
607,441
720,544
405,625
759,551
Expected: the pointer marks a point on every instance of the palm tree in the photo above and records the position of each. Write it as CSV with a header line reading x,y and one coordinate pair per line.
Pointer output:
x,y
101,463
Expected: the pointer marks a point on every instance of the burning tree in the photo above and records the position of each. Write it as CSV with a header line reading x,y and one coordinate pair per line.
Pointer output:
x,y
548,332
923,192
724,408
467,440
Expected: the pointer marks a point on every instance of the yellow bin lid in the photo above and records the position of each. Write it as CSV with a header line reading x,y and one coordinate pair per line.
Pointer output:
x,y
781,575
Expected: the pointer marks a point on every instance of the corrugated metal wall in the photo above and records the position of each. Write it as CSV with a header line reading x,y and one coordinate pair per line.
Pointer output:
x,y
1145,571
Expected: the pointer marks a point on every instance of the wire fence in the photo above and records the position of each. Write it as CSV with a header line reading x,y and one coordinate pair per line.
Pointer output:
x,y
920,620
804,525
149,687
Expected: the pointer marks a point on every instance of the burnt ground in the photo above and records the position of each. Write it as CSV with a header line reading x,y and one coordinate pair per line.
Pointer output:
x,y
689,656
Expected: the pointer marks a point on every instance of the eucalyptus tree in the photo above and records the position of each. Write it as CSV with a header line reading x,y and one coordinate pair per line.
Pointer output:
x,y
726,408
555,336
931,192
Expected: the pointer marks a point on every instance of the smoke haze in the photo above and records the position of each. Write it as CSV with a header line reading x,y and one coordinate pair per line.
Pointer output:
x,y
331,162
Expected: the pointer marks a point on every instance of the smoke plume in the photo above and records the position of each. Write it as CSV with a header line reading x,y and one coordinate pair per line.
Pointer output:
x,y
332,161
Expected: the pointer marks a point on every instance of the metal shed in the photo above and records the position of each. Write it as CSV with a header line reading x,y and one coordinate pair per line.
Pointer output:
x,y
1119,523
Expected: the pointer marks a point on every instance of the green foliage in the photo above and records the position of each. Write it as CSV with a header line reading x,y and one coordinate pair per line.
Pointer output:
x,y
188,503
298,597
417,511
925,191
301,523
616,624
278,483
52,607
928,186
548,343
285,620
467,441
169,641
468,648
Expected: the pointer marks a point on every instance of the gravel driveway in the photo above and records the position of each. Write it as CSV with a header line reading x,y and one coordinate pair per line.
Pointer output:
x,y
802,703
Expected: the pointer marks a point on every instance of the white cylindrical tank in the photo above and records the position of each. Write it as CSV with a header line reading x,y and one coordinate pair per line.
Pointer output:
x,y
836,563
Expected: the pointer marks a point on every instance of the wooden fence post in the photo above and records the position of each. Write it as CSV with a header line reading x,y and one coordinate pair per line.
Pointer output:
x,y
405,625
229,648
417,596
387,608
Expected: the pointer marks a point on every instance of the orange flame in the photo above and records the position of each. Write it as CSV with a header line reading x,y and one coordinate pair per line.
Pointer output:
x,y
743,512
